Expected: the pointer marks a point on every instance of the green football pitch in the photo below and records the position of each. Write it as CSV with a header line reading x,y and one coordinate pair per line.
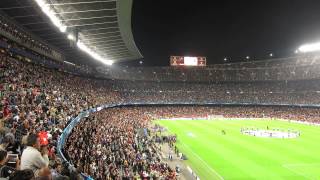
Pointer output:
x,y
234,155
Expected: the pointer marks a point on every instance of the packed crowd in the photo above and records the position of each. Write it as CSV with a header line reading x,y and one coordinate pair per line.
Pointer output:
x,y
23,52
288,113
38,100
116,143
17,32
297,68
20,42
272,93
35,99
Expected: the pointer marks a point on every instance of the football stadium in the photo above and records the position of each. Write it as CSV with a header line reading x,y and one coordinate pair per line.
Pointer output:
x,y
146,90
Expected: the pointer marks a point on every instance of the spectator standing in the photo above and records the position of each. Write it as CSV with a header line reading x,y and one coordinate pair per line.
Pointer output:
x,y
33,159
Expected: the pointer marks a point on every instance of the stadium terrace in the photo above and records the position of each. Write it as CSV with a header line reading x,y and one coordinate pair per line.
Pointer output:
x,y
62,120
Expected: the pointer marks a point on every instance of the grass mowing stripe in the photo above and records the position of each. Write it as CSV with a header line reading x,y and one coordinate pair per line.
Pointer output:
x,y
211,170
292,151
297,146
230,159
252,154
300,174
195,154
218,151
306,169
264,158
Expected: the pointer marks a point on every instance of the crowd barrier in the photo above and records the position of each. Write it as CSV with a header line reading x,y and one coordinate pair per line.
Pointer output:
x,y
66,132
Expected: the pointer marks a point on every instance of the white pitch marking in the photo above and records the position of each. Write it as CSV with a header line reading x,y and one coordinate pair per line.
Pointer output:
x,y
212,170
215,172
190,134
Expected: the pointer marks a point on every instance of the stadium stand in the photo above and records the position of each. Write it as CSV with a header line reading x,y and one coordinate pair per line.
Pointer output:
x,y
295,68
108,144
40,95
263,93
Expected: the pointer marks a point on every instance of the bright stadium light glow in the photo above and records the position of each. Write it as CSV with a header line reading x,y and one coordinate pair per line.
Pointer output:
x,y
96,56
63,28
225,59
71,37
190,61
271,54
69,63
310,47
51,14
41,3
248,57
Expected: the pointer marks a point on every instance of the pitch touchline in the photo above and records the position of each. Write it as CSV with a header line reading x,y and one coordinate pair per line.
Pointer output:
x,y
211,169
215,172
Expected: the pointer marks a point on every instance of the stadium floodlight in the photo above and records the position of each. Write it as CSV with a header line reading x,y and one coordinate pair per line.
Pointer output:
x,y
51,14
310,47
63,28
41,3
248,57
71,37
69,63
96,56
271,54
225,59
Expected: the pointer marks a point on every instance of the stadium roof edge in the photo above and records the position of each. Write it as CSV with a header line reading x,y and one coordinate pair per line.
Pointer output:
x,y
124,12
25,30
109,19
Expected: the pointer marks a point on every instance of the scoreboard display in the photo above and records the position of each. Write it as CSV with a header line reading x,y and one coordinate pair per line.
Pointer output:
x,y
187,61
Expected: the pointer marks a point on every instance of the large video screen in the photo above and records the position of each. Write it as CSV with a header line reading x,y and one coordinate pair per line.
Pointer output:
x,y
187,61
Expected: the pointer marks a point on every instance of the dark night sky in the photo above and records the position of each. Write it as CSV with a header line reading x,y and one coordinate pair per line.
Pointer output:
x,y
218,29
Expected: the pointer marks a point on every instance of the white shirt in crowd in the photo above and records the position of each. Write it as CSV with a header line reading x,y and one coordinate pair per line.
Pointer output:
x,y
32,159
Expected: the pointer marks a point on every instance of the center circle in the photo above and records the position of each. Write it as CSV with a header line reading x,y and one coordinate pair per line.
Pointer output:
x,y
271,133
